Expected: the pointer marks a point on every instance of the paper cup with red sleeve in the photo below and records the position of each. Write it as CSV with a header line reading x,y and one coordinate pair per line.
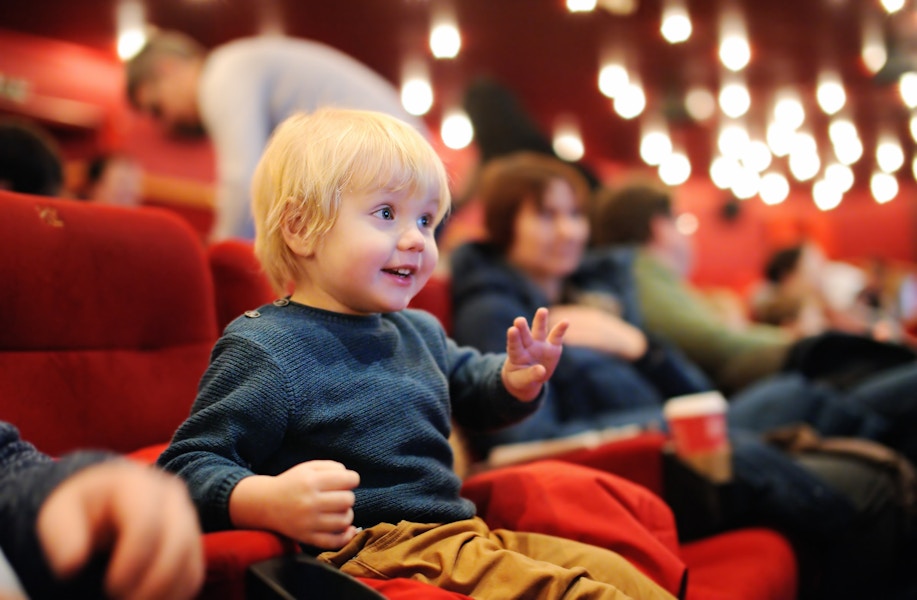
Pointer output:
x,y
697,425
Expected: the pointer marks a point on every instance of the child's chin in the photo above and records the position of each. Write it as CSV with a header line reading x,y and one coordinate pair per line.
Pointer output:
x,y
394,306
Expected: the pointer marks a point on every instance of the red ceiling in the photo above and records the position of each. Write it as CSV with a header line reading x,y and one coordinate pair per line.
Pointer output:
x,y
548,57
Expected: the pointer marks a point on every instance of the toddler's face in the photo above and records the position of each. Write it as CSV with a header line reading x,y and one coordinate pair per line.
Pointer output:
x,y
377,256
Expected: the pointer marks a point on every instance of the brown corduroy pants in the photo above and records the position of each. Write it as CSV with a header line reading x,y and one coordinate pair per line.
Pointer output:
x,y
470,558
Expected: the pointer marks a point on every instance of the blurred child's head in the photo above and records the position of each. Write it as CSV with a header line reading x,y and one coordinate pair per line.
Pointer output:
x,y
641,212
312,159
625,214
30,159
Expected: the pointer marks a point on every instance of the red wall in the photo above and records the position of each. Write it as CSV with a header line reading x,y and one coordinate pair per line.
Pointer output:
x,y
732,252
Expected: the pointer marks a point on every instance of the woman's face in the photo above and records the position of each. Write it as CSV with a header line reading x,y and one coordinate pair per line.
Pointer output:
x,y
549,240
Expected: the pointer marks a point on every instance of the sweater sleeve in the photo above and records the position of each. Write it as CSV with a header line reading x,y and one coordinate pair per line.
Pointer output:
x,y
238,419
27,478
480,401
673,310
481,320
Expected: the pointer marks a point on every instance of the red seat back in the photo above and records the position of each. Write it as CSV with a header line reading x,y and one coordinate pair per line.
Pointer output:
x,y
239,282
107,326
436,298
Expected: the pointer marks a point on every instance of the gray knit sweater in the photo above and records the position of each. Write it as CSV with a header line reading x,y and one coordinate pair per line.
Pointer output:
x,y
290,383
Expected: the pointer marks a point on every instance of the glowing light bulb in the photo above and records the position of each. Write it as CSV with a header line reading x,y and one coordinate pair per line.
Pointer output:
x,y
417,96
456,130
676,23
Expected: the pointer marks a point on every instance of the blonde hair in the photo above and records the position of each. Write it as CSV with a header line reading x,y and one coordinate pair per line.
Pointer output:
x,y
312,159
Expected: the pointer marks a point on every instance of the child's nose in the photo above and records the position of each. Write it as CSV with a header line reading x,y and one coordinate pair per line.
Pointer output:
x,y
412,238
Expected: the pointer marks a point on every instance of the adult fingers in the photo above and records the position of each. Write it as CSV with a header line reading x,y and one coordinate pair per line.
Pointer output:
x,y
66,510
175,566
144,517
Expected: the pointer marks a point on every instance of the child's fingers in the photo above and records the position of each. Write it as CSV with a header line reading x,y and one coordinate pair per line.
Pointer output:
x,y
333,541
333,522
326,465
556,336
531,375
540,324
338,480
525,334
515,345
336,501
324,475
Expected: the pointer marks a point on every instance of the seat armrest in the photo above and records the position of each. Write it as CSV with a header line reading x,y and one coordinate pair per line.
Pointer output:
x,y
299,576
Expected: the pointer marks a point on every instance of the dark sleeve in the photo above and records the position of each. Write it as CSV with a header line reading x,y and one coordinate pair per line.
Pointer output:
x,y
610,271
27,478
237,421
482,321
669,370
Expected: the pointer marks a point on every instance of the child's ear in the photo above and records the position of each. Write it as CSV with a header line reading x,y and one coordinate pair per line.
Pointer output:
x,y
292,228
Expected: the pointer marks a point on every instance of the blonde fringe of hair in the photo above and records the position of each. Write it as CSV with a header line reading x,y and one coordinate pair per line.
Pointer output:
x,y
313,159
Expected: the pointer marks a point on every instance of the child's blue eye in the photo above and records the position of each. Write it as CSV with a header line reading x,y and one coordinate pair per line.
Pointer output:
x,y
425,221
385,213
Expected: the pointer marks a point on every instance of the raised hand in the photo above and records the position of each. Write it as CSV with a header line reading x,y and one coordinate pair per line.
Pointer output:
x,y
531,354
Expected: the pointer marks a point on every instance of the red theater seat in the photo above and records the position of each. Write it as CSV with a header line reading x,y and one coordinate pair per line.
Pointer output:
x,y
239,282
107,325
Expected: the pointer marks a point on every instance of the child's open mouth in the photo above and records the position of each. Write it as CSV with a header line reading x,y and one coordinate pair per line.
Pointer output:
x,y
402,273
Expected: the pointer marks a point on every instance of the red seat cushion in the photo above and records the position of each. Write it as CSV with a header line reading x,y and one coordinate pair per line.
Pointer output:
x,y
408,589
748,564
583,504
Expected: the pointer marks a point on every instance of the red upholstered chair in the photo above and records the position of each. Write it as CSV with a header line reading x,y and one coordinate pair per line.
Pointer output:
x,y
108,323
436,298
747,564
107,328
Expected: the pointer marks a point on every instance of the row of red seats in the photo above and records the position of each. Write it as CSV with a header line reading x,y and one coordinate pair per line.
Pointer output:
x,y
109,318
